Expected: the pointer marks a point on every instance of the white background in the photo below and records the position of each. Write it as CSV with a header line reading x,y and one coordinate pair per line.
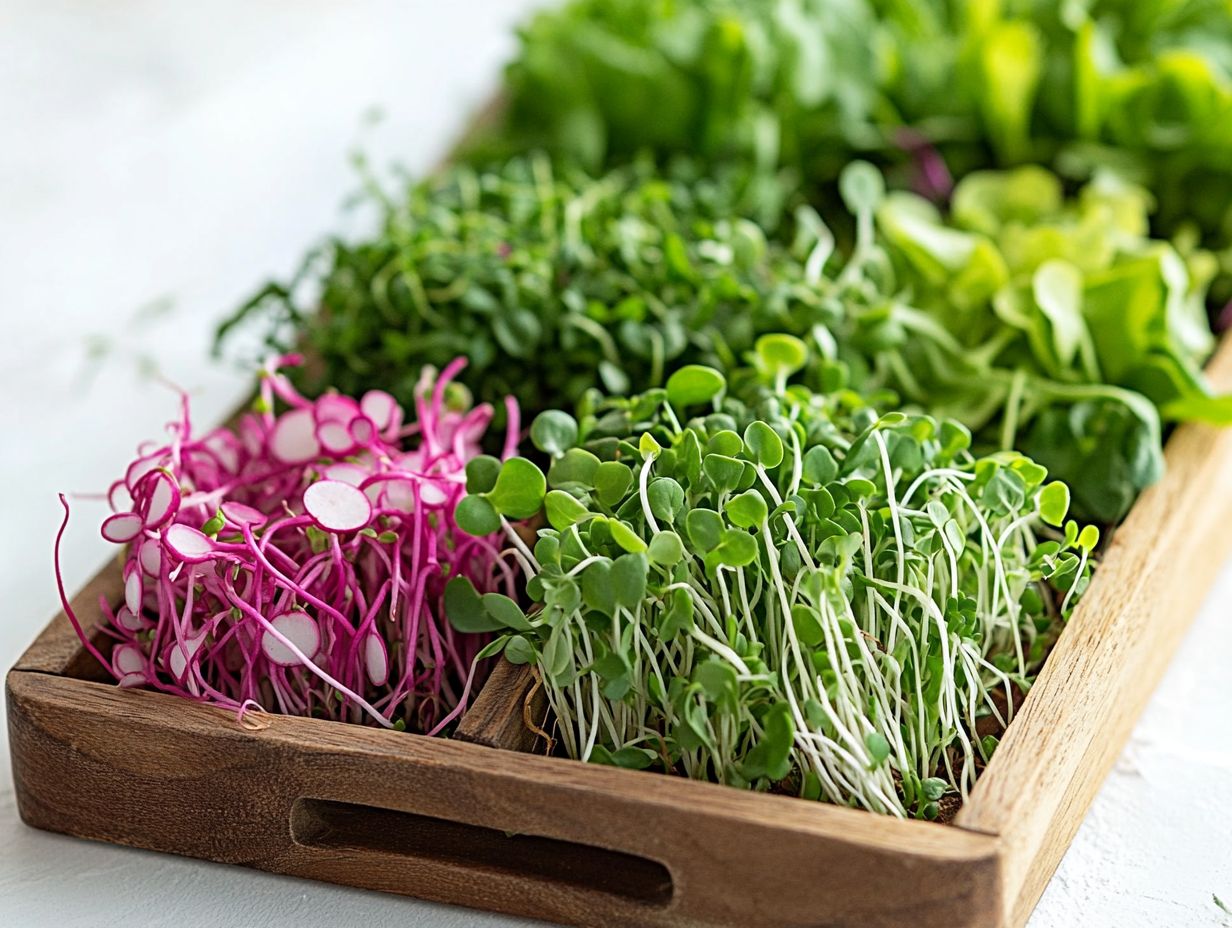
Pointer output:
x,y
157,162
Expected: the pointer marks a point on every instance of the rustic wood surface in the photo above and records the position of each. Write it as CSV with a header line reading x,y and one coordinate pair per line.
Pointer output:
x,y
317,799
1153,577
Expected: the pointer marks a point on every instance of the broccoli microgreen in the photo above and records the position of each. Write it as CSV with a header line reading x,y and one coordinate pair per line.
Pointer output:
x,y
775,586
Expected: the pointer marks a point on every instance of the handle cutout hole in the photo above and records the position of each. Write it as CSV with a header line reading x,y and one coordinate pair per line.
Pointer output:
x,y
322,823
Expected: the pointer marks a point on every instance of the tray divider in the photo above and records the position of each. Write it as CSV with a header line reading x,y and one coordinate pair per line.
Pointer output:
x,y
508,705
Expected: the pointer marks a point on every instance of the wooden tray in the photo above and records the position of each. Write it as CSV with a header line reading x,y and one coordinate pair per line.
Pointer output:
x,y
481,821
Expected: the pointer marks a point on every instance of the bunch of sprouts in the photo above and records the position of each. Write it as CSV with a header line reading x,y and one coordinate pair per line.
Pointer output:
x,y
296,563
784,591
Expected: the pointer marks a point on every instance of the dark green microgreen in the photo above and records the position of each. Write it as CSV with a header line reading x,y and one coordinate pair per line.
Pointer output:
x,y
770,757
505,611
518,650
763,444
666,549
481,473
878,748
666,498
748,510
612,479
465,608
577,466
704,528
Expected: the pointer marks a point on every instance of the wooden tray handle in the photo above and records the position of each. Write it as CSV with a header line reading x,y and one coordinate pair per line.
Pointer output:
x,y
403,841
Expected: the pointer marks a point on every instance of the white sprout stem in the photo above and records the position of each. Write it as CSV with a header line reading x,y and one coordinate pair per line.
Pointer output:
x,y
643,485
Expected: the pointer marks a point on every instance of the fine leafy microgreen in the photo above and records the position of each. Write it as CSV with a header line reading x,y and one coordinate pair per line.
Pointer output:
x,y
1051,325
549,281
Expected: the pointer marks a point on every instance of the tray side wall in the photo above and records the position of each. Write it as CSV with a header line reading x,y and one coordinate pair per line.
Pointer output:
x,y
1155,573
149,770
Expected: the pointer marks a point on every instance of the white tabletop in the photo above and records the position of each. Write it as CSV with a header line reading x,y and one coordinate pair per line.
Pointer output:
x,y
157,161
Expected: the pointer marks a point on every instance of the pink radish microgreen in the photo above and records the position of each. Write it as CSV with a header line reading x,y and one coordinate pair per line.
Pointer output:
x,y
298,562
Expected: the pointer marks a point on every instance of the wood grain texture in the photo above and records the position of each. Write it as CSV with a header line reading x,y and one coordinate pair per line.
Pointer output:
x,y
149,770
1155,573
507,711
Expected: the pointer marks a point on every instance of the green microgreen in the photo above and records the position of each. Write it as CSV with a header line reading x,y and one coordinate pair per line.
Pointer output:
x,y
788,590
548,280
1139,88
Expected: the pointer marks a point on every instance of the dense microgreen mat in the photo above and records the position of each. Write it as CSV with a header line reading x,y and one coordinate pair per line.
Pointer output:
x,y
1047,323
548,280
297,562
778,590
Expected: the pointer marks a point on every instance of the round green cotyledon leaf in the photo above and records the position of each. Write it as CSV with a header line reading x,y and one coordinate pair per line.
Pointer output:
x,y
666,498
626,537
666,549
819,466
747,510
693,384
519,489
861,186
476,516
481,473
806,622
577,465
563,510
878,748
628,577
763,444
781,355
1054,503
465,609
612,480
519,651
554,432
